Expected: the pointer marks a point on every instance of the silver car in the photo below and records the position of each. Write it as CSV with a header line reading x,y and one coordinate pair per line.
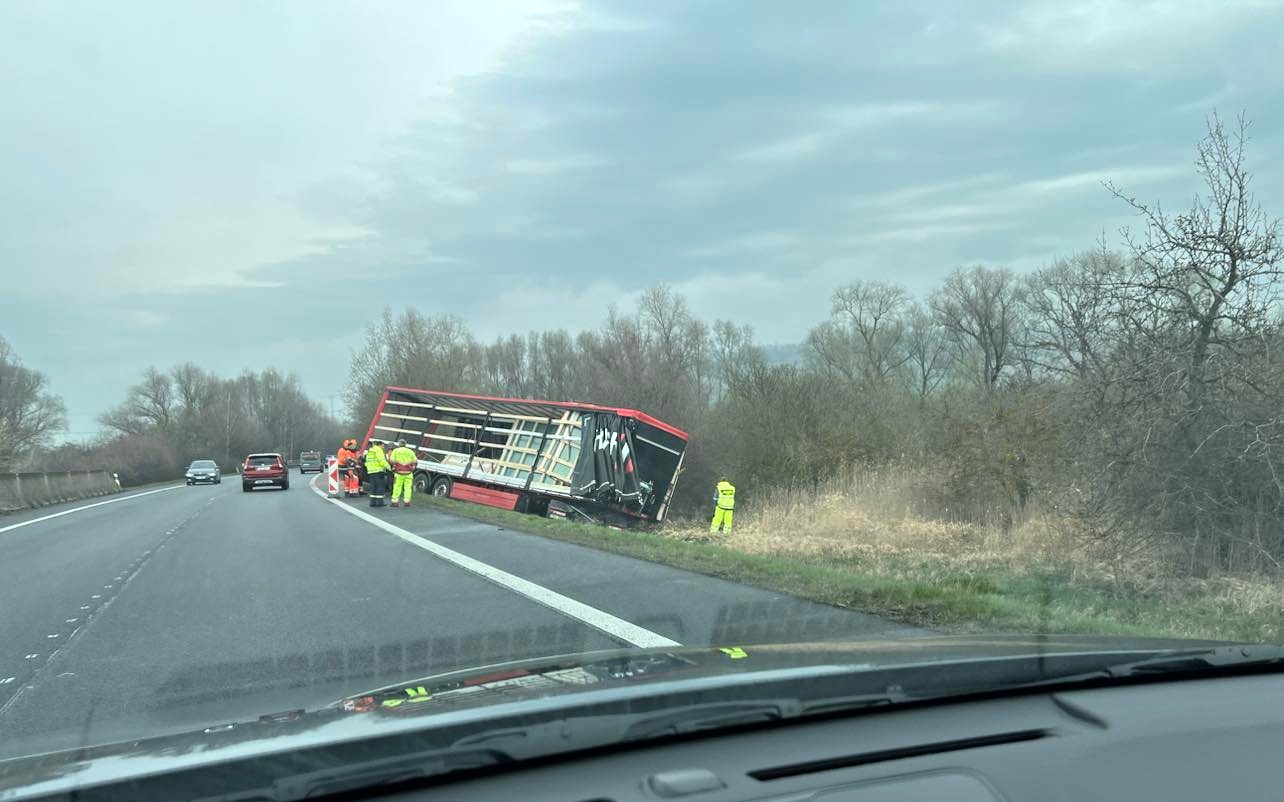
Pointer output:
x,y
204,470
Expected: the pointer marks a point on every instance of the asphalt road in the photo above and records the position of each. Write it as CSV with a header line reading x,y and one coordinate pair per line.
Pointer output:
x,y
190,607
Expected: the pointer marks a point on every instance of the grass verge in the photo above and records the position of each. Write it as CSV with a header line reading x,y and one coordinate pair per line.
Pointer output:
x,y
921,591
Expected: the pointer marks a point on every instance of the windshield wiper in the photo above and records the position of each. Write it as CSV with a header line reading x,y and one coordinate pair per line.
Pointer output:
x,y
1182,662
513,744
375,773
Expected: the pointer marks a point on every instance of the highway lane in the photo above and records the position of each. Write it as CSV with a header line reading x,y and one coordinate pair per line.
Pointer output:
x,y
195,606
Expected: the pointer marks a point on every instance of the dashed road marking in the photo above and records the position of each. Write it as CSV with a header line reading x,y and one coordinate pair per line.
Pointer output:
x,y
46,665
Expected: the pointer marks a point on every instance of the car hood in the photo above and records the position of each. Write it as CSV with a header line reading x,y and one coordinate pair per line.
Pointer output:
x,y
485,697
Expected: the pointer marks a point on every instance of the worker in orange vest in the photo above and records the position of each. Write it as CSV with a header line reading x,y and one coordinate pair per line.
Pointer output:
x,y
347,457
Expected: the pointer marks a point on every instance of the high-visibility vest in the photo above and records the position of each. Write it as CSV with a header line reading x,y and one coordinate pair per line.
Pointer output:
x,y
376,462
726,495
403,459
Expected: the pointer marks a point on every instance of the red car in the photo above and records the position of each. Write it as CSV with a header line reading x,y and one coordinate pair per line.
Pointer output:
x,y
261,470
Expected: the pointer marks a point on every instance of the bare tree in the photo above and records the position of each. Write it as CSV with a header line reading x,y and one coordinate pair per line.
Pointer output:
x,y
1214,268
412,350
149,403
929,353
554,365
1073,313
980,307
864,338
506,368
735,356
29,413
192,386
1192,409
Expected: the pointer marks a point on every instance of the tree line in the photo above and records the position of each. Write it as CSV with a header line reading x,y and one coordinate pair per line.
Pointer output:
x,y
1138,393
169,418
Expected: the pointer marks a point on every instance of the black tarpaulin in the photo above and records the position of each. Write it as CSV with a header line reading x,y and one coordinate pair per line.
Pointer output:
x,y
606,470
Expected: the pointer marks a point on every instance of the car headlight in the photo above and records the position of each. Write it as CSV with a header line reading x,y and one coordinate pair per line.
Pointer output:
x,y
189,475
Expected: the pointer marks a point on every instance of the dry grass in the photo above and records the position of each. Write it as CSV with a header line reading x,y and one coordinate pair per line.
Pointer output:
x,y
869,519
865,543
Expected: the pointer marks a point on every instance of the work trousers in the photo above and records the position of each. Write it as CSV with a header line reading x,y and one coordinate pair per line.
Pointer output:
x,y
402,486
721,518
378,489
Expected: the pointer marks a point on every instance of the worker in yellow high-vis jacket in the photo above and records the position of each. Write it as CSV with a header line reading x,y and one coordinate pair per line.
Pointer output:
x,y
725,499
377,469
403,461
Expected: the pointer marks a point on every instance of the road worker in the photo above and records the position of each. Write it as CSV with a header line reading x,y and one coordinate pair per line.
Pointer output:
x,y
377,469
347,457
724,499
404,460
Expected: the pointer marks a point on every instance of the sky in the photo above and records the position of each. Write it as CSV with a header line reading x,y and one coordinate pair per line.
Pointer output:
x,y
245,184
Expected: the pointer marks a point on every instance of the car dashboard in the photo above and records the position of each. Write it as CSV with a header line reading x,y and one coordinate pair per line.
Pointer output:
x,y
1190,740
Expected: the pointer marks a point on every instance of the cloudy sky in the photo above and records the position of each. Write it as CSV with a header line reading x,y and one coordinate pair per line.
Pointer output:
x,y
244,184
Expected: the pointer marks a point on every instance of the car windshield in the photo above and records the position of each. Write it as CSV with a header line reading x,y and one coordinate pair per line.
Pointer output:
x,y
712,338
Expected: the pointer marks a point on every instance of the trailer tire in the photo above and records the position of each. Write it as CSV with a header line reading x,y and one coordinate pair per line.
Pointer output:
x,y
441,487
421,482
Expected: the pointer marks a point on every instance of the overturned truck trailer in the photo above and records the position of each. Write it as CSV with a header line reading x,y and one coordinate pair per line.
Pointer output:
x,y
554,458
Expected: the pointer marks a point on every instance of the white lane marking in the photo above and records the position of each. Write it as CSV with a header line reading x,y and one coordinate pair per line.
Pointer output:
x,y
598,619
4,529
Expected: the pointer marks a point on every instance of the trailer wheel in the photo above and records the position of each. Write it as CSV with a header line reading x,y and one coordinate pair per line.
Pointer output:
x,y
441,487
421,482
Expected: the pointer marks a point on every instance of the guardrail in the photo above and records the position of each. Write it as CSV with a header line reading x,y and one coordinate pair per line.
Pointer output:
x,y
20,491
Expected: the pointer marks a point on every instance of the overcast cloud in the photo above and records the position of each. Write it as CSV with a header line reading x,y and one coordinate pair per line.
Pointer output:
x,y
169,168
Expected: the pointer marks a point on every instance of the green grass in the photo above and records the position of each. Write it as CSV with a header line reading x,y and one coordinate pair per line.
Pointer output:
x,y
918,592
